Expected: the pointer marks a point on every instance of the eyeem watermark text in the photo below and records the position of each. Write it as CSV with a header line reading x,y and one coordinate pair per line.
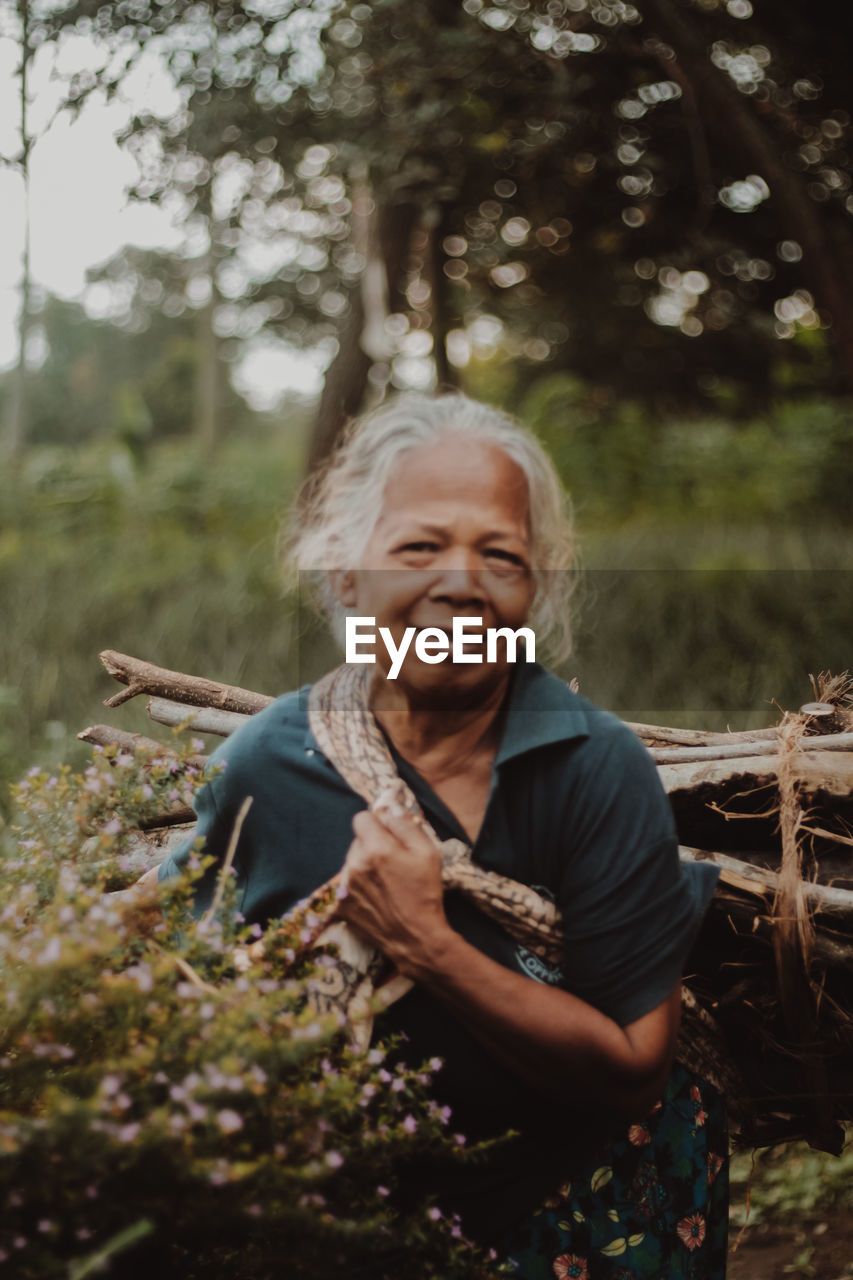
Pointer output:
x,y
433,645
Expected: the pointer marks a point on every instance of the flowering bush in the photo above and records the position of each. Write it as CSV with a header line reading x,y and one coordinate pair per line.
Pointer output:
x,y
166,1102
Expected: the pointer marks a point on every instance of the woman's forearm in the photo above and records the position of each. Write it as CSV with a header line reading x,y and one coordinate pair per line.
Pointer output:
x,y
550,1038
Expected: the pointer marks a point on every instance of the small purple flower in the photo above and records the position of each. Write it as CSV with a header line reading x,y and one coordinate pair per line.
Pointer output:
x,y
229,1121
334,1159
410,1124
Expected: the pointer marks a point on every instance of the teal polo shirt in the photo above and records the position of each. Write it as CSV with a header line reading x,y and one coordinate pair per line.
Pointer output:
x,y
576,809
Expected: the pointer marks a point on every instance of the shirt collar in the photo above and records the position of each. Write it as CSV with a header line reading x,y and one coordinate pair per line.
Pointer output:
x,y
541,710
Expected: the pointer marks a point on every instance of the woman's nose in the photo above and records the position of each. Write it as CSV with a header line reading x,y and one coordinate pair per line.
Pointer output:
x,y
459,578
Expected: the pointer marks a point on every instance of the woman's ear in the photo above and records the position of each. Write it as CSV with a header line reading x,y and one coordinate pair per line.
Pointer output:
x,y
343,585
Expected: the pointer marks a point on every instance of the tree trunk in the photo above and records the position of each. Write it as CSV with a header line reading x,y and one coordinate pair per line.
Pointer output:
x,y
726,112
208,376
445,374
344,385
347,375
17,418
207,380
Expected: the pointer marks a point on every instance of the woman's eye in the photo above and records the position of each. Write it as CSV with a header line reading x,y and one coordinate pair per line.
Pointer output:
x,y
506,558
418,547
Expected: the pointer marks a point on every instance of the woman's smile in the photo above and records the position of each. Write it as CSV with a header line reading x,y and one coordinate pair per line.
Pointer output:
x,y
452,540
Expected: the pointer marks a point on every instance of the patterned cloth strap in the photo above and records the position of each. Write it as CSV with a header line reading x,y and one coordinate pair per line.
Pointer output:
x,y
348,735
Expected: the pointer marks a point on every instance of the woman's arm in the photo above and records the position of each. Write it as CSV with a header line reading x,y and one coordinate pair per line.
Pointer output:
x,y
546,1035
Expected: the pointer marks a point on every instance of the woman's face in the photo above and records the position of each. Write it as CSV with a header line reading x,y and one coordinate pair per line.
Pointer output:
x,y
452,540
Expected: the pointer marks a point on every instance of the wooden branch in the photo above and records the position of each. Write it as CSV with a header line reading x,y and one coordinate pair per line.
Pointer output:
x,y
145,677
662,735
763,883
736,750
199,719
826,835
105,735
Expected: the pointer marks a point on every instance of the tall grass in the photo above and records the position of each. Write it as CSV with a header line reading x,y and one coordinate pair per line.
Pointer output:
x,y
176,563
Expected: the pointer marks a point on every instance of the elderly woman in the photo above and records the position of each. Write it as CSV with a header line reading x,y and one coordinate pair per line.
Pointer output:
x,y
435,509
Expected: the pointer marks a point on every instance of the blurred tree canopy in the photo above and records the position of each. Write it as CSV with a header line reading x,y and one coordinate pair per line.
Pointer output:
x,y
655,197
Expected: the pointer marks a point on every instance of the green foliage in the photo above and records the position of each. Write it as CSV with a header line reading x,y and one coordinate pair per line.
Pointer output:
x,y
790,1184
654,221
792,465
174,561
130,380
165,1094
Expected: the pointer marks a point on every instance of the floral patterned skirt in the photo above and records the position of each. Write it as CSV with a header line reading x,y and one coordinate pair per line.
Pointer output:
x,y
652,1206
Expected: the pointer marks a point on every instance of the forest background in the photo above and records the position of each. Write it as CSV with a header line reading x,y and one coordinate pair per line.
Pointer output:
x,y
630,224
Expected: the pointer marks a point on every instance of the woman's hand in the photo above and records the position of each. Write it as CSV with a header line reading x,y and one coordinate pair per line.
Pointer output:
x,y
392,890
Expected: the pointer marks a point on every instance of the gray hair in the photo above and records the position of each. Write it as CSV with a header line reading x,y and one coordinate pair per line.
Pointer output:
x,y
338,510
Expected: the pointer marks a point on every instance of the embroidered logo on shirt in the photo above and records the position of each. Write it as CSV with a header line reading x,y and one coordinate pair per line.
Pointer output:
x,y
535,967
531,964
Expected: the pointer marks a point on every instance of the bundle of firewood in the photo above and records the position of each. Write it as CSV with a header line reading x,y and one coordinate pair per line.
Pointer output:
x,y
773,808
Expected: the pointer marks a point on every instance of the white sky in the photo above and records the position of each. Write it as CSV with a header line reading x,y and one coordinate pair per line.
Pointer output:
x,y
81,216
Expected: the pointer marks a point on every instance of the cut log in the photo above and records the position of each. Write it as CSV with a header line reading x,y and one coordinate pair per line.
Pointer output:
x,y
738,750
200,719
656,735
180,815
145,850
824,717
104,735
145,677
763,883
818,773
